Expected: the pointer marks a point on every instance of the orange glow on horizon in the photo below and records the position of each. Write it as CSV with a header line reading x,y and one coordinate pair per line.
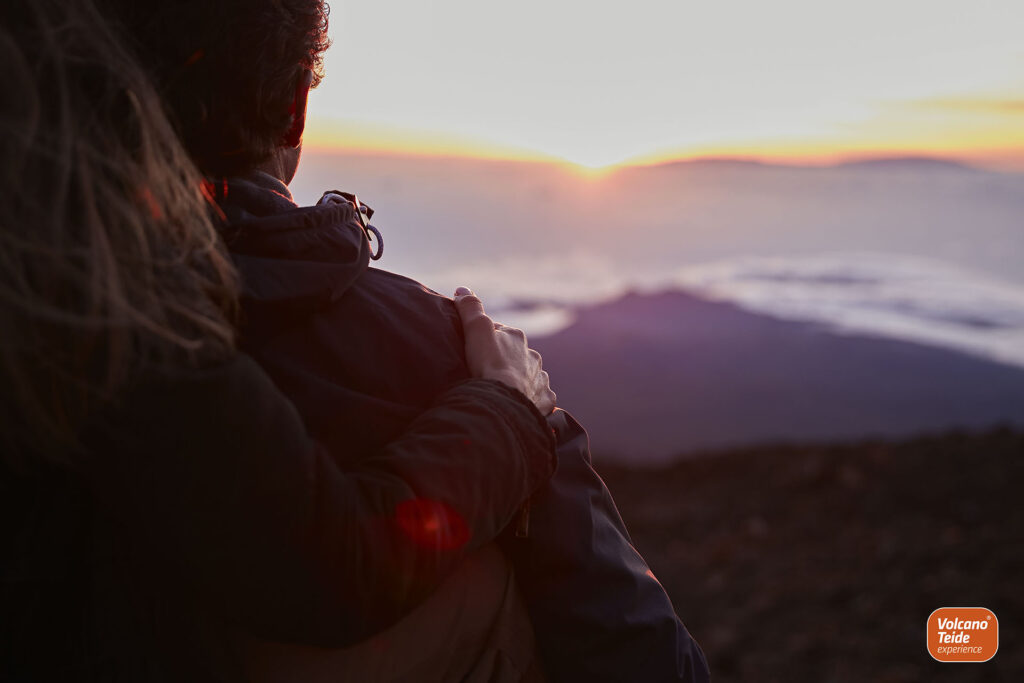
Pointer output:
x,y
977,130
997,149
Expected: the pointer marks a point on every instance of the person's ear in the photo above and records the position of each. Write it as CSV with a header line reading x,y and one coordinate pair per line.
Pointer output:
x,y
293,138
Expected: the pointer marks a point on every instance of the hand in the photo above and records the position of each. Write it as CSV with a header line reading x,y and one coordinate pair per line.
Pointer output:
x,y
499,352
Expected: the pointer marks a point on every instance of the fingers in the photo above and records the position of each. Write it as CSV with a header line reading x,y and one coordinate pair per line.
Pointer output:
x,y
546,403
471,311
497,351
512,331
467,303
517,336
544,398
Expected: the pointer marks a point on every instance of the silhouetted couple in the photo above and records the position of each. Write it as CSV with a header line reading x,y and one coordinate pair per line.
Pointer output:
x,y
371,499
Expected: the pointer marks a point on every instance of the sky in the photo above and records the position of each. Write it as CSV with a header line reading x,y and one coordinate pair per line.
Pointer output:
x,y
599,83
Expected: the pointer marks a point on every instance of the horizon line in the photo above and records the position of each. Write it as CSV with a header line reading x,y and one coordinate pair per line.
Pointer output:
x,y
1000,161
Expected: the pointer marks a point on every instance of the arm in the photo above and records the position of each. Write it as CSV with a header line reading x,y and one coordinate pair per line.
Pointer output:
x,y
598,611
215,471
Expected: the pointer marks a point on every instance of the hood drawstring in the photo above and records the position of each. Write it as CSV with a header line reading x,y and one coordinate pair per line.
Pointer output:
x,y
364,213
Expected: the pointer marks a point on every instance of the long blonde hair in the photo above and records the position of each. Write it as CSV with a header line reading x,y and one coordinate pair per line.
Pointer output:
x,y
109,262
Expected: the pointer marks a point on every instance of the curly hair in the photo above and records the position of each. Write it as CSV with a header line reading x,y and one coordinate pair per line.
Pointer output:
x,y
109,262
228,70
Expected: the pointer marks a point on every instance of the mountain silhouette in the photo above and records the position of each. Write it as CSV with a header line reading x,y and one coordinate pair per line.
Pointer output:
x,y
658,375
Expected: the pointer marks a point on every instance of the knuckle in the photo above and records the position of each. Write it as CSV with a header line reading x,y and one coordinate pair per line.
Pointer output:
x,y
484,323
506,333
469,301
479,323
509,330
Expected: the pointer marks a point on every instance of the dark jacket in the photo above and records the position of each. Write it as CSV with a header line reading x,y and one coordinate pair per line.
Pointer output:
x,y
361,351
201,505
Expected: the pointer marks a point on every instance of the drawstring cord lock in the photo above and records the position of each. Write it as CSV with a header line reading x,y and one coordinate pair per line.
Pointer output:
x,y
364,214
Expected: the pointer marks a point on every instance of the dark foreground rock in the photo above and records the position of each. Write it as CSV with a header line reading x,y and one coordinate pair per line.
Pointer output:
x,y
823,563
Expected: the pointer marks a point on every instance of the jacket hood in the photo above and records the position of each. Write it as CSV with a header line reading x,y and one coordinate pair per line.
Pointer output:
x,y
290,258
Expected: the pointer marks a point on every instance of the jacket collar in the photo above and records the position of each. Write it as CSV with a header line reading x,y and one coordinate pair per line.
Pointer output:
x,y
289,255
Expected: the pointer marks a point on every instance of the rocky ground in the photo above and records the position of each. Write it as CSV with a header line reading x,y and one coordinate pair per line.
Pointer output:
x,y
823,563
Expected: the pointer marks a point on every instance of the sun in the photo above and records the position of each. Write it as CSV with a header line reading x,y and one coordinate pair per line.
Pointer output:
x,y
593,163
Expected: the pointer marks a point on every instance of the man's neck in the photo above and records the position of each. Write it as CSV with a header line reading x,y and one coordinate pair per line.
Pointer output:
x,y
283,164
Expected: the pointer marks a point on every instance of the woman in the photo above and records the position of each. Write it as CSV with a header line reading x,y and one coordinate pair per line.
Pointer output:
x,y
157,489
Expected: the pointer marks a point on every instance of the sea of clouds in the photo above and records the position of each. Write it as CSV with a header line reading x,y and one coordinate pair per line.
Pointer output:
x,y
885,295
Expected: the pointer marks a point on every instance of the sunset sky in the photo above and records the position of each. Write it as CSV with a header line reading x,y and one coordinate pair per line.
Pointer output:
x,y
599,83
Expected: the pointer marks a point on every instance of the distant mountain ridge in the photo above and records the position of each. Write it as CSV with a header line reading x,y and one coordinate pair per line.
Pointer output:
x,y
656,375
880,163
908,163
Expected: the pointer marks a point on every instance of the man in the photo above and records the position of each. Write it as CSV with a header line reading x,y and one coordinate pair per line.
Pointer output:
x,y
362,351
144,464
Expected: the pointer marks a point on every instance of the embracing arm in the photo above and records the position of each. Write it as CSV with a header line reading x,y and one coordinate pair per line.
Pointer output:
x,y
213,470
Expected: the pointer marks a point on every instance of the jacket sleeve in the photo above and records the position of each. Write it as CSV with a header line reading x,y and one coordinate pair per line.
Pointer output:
x,y
598,611
215,473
